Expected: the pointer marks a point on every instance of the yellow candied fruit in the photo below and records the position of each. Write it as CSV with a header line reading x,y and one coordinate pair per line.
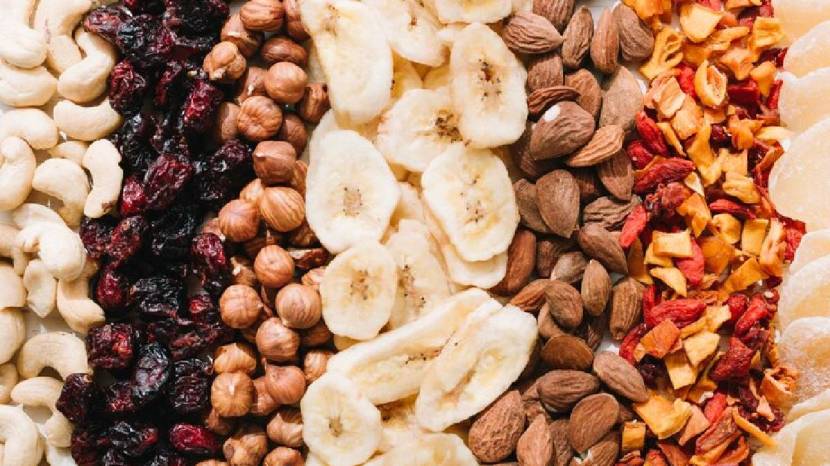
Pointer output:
x,y
721,40
743,132
681,372
672,277
692,181
664,417
739,61
666,55
710,84
633,436
744,276
677,244
752,429
688,119
700,346
645,9
665,96
771,257
697,21
696,213
727,227
766,32
671,137
764,75
717,254
752,237
731,162
773,134
700,152
741,187
661,340
697,423
637,263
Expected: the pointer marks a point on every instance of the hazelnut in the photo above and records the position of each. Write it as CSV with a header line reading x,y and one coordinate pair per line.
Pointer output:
x,y
263,404
211,463
298,306
259,118
294,132
318,335
286,384
284,456
247,446
309,258
286,427
239,220
262,15
246,41
218,424
313,278
239,306
252,191
293,23
225,63
298,180
273,266
314,103
242,271
285,82
278,48
314,364
277,342
232,394
266,237
212,226
235,357
252,83
226,122
283,209
274,161
302,236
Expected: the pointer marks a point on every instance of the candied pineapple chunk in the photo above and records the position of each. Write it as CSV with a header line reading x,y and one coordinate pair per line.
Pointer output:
x,y
681,372
697,21
664,417
752,237
717,253
798,105
672,277
672,244
633,436
744,276
806,293
700,346
696,213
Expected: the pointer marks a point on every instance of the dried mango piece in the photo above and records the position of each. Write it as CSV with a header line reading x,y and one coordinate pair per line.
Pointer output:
x,y
764,75
727,227
688,119
681,372
633,436
741,187
700,346
695,54
745,276
716,316
672,277
697,21
696,213
660,340
752,237
693,182
665,418
653,258
700,152
732,162
677,244
666,55
717,253
637,263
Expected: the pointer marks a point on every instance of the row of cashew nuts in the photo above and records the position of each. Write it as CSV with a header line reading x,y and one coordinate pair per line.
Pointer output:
x,y
46,60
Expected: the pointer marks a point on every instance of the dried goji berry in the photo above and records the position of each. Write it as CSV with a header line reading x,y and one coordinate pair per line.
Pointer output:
x,y
651,134
686,78
726,206
756,312
649,298
655,458
756,337
794,231
735,364
663,172
634,225
715,406
639,155
744,93
681,312
692,267
737,304
630,342
774,94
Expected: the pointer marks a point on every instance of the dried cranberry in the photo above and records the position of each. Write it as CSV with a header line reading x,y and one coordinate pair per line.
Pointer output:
x,y
201,106
190,390
77,397
196,17
143,39
652,369
158,296
95,234
118,398
126,239
133,439
744,93
224,173
720,137
133,142
170,84
202,309
112,289
127,89
168,137
88,444
106,21
210,261
191,439
166,458
145,6
151,373
173,230
111,346
114,457
193,338
133,199
165,179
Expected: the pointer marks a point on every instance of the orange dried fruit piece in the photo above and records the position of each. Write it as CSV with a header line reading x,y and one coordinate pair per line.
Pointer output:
x,y
700,346
672,277
681,371
753,234
677,244
660,340
637,264
741,187
688,119
700,152
664,417
645,9
738,60
773,250
633,436
697,21
710,84
717,253
744,276
666,55
696,213
766,32
733,162
727,227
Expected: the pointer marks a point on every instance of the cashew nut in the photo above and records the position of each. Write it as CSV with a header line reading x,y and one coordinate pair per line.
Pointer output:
x,y
17,167
72,150
58,18
63,53
102,160
65,180
86,123
41,288
30,124
21,45
79,311
61,351
26,87
87,79
44,392
58,456
9,248
28,214
8,379
12,291
60,248
22,441
13,332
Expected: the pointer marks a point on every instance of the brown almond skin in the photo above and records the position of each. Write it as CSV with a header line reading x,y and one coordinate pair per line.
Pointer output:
x,y
562,133
623,100
565,304
547,326
525,192
608,212
548,251
591,419
570,267
494,434
604,144
617,175
521,260
560,390
557,197
541,99
578,37
626,307
604,452
558,12
597,242
596,288
590,92
535,447
567,352
605,45
530,33
532,296
544,71
636,38
531,168
621,377
562,452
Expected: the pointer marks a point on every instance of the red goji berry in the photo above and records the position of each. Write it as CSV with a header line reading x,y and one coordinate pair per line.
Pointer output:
x,y
655,458
726,206
634,225
737,304
686,79
639,155
692,267
756,312
681,312
663,172
650,298
630,342
715,406
774,94
744,93
793,231
651,134
735,364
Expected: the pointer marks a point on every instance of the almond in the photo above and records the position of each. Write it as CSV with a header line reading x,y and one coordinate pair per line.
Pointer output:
x,y
604,144
560,390
528,210
577,37
557,196
621,377
535,446
548,251
541,99
562,452
608,212
494,434
564,303
589,186
530,33
626,307
597,242
567,352
561,130
604,452
570,267
593,330
636,39
596,288
617,175
547,326
558,12
591,419
605,45
590,93
623,100
521,261
520,154
531,405
544,71
532,296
